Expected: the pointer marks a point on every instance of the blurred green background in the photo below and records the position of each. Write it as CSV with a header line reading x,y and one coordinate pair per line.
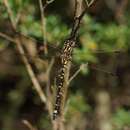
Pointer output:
x,y
96,98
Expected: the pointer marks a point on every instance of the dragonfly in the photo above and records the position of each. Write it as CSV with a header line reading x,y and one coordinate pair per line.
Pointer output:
x,y
34,52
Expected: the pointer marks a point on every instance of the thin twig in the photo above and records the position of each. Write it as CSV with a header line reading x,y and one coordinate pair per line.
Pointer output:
x,y
89,3
50,66
77,18
19,14
31,73
29,125
7,37
43,23
10,13
48,93
49,1
82,66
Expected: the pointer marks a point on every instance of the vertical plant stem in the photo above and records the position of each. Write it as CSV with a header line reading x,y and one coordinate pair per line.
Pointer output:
x,y
43,24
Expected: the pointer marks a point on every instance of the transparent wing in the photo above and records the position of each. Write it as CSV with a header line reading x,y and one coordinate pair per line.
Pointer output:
x,y
34,51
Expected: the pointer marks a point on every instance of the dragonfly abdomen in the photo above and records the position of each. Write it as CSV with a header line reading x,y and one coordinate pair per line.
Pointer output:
x,y
60,80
